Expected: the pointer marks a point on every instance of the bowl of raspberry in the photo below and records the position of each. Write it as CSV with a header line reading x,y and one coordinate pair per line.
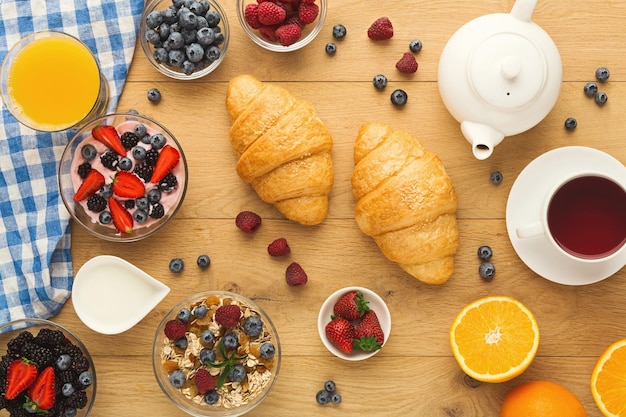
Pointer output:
x,y
45,370
122,177
282,26
184,40
216,354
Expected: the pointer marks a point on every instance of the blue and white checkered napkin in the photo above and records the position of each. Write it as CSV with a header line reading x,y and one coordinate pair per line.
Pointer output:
x,y
35,260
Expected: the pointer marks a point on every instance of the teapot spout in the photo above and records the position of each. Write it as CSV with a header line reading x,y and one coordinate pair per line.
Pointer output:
x,y
482,137
523,9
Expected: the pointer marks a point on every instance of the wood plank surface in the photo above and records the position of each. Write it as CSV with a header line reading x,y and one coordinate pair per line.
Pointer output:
x,y
415,374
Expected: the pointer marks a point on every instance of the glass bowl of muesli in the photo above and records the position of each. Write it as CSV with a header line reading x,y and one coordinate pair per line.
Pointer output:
x,y
216,354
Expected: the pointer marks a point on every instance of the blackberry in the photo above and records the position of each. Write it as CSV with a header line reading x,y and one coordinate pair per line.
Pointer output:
x,y
42,356
168,183
109,159
83,169
15,345
151,157
77,400
129,140
129,204
157,211
144,171
96,203
51,338
63,377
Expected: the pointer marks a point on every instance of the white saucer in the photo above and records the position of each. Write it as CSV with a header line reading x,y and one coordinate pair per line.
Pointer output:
x,y
111,295
525,203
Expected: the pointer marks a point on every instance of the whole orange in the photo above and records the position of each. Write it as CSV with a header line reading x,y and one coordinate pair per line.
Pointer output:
x,y
541,399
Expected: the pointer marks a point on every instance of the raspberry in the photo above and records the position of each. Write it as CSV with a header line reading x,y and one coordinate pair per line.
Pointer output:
x,y
381,29
295,275
288,34
270,13
407,64
205,381
278,247
308,12
268,32
175,329
228,315
251,14
248,221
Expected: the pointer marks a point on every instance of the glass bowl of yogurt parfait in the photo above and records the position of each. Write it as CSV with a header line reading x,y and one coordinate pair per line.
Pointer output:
x,y
122,177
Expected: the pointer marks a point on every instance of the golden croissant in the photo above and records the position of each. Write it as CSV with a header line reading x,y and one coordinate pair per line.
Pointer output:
x,y
283,148
405,201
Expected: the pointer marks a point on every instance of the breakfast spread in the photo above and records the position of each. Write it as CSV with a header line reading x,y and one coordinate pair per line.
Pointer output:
x,y
128,176
283,148
219,352
405,201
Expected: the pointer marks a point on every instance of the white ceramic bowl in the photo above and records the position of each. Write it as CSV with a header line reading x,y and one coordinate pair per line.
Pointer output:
x,y
375,302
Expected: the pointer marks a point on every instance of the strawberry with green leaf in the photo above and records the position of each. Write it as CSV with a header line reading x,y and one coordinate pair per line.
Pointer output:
x,y
351,306
340,332
368,334
20,375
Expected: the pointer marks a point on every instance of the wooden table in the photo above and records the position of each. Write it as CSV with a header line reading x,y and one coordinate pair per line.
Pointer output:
x,y
415,374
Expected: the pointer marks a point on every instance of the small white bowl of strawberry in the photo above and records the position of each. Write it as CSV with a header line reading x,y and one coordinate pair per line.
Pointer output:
x,y
354,323
122,177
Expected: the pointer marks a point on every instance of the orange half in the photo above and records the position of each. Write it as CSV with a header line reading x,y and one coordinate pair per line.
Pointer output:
x,y
494,339
608,385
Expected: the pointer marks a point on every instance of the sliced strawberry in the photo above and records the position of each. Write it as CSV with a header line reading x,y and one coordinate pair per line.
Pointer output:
x,y
92,183
128,185
122,219
20,375
41,393
168,159
109,136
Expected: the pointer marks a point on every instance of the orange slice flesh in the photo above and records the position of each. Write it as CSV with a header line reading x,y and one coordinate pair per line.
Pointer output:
x,y
608,384
494,339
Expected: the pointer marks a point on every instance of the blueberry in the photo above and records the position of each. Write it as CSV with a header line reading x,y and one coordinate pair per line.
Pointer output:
x,y
484,252
196,8
177,379
253,326
164,31
415,46
267,350
487,271
207,355
207,336
200,311
187,19
195,52
63,362
154,195
189,35
177,265
85,379
125,164
175,40
211,397
68,389
158,141
601,98
203,261
140,216
335,398
496,177
175,58
145,139
106,191
154,95
330,386
184,315
570,123
602,74
399,97
331,48
105,217
213,18
154,19
169,15
590,89
237,373
143,203
230,341
322,397
212,53
88,152
153,37
339,31
379,81
70,412
140,130
205,36
139,153
181,342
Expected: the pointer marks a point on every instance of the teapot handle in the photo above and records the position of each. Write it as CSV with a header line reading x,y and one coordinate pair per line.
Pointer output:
x,y
523,9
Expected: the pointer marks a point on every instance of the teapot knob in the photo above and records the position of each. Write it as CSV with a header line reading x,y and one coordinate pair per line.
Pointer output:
x,y
511,67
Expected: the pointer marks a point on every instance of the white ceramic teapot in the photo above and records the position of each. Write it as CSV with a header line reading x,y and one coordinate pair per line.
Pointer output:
x,y
499,75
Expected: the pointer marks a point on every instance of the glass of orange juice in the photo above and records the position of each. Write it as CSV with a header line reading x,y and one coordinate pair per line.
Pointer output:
x,y
50,81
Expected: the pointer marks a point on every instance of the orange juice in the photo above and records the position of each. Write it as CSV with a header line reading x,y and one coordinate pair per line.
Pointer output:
x,y
53,82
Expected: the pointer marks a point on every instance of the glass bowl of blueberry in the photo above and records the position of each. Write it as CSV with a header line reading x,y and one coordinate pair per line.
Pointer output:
x,y
216,353
184,39
122,177
282,27
37,356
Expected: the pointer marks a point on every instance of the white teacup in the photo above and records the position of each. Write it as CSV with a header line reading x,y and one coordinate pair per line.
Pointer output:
x,y
583,217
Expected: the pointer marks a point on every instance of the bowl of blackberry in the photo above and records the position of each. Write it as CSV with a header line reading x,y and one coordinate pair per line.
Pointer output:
x,y
184,39
122,177
216,354
45,370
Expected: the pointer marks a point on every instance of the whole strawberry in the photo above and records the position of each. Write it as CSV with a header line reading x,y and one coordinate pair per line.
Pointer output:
x,y
407,64
368,334
340,332
381,29
279,247
351,306
295,275
175,329
228,315
248,221
205,381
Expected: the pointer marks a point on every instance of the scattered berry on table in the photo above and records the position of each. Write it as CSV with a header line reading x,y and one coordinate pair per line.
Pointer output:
x,y
295,275
407,64
331,48
330,386
601,98
176,264
253,326
203,261
154,95
339,31
174,329
570,123
487,271
380,30
399,97
484,252
184,315
335,398
496,177
322,397
267,350
379,81
415,46
228,315
590,89
248,221
279,247
88,152
602,74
